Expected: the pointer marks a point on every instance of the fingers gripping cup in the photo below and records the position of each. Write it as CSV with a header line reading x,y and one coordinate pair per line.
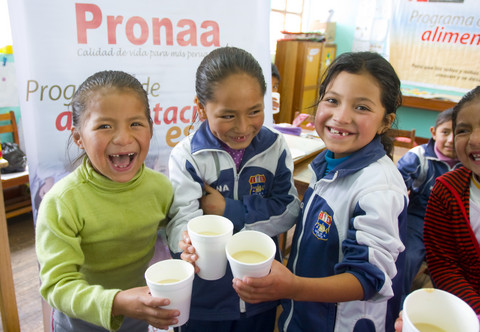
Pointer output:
x,y
250,254
429,309
172,279
209,235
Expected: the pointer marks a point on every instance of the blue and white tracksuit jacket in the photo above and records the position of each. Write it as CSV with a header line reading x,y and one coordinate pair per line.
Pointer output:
x,y
353,220
419,167
261,196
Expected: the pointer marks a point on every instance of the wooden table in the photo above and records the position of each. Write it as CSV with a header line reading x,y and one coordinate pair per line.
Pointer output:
x,y
303,150
8,301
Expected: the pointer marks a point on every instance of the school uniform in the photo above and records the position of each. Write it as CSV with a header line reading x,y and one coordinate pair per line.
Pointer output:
x,y
353,220
260,196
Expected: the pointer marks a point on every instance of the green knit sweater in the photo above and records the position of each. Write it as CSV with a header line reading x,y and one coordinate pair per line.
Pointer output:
x,y
95,237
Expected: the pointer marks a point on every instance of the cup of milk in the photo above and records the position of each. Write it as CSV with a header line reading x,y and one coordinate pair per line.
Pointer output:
x,y
250,254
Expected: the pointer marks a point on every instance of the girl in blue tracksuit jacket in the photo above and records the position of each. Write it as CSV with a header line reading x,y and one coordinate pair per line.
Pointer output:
x,y
344,272
235,167
420,167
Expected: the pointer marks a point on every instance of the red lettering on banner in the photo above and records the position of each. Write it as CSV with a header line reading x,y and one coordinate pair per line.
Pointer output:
x,y
82,24
136,20
182,114
440,36
171,114
187,37
112,23
157,25
213,34
64,121
192,32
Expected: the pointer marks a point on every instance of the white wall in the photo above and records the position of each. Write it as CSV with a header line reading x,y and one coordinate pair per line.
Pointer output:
x,y
5,32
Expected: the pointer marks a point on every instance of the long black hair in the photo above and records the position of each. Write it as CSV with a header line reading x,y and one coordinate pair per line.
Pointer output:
x,y
381,70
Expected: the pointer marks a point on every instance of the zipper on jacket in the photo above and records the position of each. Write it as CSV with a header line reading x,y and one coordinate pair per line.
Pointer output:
x,y
235,185
243,307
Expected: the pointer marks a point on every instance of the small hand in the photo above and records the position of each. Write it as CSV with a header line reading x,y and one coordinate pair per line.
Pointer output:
x,y
276,285
212,202
188,254
399,323
139,304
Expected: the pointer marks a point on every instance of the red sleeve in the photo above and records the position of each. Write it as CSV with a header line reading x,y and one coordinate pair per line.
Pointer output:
x,y
446,238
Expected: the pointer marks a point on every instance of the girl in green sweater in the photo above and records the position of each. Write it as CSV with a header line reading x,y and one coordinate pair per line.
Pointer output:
x,y
96,228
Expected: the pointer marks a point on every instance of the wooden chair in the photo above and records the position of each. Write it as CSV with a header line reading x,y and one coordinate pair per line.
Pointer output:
x,y
403,138
16,189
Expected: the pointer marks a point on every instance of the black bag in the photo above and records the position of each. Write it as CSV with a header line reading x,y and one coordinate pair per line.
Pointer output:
x,y
17,161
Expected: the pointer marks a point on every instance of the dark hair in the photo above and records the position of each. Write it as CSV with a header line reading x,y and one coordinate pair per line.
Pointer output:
x,y
444,116
108,79
468,97
275,72
101,80
221,63
381,70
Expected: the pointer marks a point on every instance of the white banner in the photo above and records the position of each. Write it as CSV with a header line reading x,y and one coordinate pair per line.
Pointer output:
x,y
435,43
58,44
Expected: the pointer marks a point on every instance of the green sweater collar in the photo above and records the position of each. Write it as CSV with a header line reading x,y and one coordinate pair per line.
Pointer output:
x,y
104,183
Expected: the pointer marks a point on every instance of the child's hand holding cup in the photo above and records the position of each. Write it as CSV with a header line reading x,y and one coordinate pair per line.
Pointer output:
x,y
209,234
172,279
250,254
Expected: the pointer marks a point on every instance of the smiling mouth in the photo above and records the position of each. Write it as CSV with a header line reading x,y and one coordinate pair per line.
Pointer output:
x,y
122,160
337,132
475,156
239,138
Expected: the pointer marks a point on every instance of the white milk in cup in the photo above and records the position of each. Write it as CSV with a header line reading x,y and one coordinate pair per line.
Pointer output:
x,y
209,235
172,279
250,254
435,310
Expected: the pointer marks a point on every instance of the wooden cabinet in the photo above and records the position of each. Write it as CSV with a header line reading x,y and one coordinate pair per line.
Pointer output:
x,y
301,65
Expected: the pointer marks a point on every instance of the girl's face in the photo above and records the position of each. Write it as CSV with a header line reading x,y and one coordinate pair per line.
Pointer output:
x,y
443,136
351,113
115,133
275,84
235,115
467,136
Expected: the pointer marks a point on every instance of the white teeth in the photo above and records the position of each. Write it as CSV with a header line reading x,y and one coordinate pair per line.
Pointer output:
x,y
336,132
117,155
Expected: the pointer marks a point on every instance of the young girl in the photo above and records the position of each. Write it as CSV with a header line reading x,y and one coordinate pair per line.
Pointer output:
x,y
96,228
452,219
345,268
420,167
235,167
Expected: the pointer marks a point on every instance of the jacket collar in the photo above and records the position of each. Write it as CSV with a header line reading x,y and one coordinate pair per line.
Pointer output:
x,y
203,139
370,153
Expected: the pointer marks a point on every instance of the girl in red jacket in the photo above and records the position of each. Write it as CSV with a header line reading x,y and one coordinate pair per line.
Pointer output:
x,y
452,220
